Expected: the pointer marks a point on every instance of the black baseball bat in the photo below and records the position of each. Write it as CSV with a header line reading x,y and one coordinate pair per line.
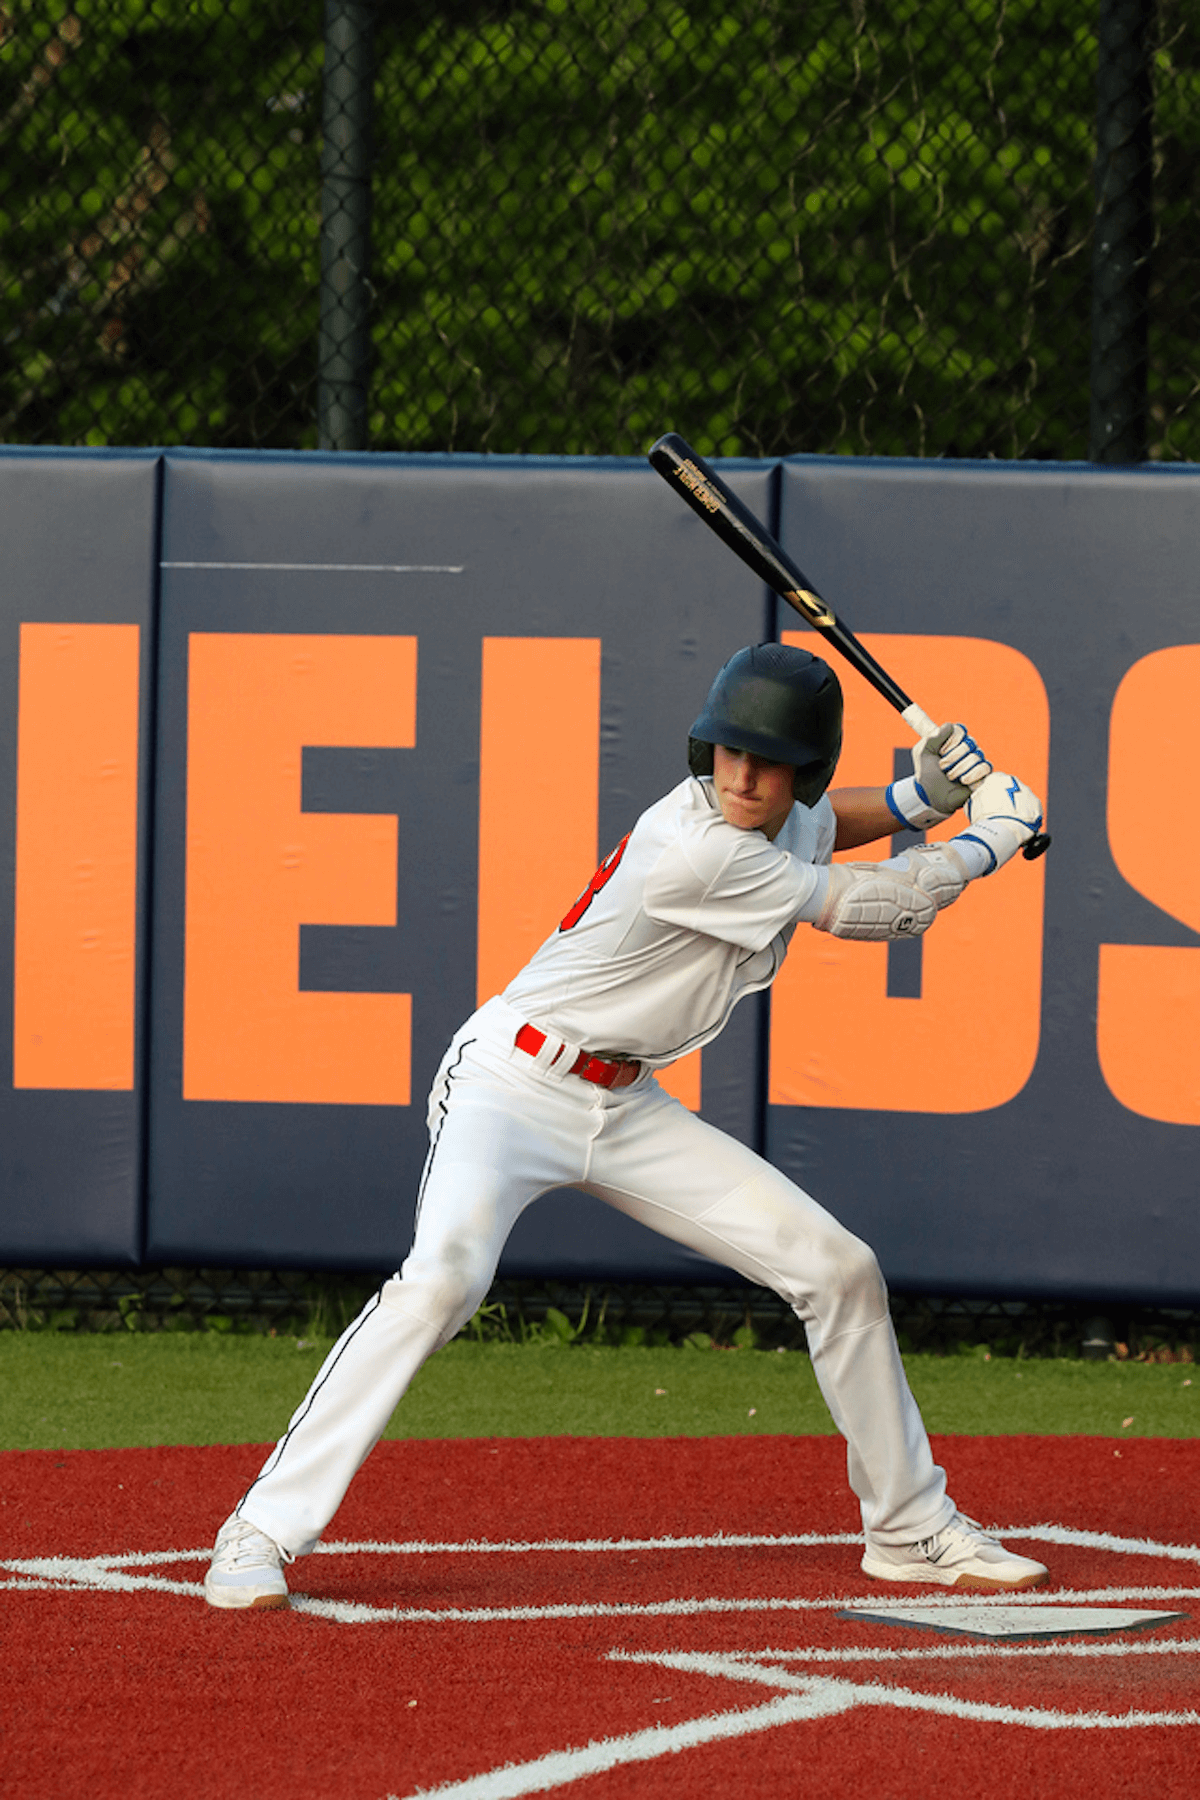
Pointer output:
x,y
707,494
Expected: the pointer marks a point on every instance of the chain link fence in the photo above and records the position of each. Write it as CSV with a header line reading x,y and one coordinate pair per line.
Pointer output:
x,y
887,227
317,1305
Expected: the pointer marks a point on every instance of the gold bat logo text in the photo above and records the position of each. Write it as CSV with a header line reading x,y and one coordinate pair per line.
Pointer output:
x,y
691,478
811,605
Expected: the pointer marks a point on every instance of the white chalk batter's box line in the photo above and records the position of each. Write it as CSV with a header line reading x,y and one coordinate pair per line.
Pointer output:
x,y
123,1574
798,1697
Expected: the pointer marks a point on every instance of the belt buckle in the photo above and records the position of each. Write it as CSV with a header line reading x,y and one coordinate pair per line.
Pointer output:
x,y
605,1072
594,1069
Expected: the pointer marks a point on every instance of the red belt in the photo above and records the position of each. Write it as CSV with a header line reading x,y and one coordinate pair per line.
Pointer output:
x,y
605,1074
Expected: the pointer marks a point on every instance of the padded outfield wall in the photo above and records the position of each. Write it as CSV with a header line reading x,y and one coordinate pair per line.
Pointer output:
x,y
301,756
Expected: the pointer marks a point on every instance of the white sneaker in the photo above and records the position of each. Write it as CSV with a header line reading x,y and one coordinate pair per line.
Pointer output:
x,y
246,1568
961,1555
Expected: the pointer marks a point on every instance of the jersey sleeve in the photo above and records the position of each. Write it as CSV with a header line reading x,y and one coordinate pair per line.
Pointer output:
x,y
733,885
826,829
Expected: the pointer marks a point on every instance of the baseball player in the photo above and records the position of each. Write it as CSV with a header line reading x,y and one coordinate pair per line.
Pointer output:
x,y
551,1084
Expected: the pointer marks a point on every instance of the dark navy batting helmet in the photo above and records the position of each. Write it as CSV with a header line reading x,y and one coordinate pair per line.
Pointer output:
x,y
779,703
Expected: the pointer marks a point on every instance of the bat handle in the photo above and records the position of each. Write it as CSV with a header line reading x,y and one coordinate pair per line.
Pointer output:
x,y
918,720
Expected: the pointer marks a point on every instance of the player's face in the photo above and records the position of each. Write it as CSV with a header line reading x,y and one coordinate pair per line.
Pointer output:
x,y
754,794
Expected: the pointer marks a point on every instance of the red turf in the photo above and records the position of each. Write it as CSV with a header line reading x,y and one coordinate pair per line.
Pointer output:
x,y
144,1693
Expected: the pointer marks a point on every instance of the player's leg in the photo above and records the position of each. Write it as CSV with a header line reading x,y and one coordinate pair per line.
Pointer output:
x,y
346,1410
667,1168
491,1153
694,1184
336,1425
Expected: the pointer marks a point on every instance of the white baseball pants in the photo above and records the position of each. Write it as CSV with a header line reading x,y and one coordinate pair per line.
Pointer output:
x,y
506,1127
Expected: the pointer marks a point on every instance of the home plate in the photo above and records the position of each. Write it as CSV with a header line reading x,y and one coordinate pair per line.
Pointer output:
x,y
1011,1622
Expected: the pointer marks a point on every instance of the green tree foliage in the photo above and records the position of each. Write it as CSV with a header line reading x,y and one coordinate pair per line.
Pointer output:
x,y
849,226
838,227
161,207
1175,268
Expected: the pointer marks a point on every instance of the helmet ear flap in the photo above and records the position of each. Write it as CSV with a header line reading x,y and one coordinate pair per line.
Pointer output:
x,y
811,780
700,756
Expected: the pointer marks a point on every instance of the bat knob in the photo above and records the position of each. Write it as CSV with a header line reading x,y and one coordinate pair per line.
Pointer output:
x,y
1037,846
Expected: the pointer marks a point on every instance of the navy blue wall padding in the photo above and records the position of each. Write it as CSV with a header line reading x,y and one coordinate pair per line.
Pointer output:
x,y
1085,571
79,537
1060,1191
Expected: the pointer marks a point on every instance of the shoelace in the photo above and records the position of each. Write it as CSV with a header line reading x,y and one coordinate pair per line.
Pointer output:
x,y
928,1547
974,1529
242,1547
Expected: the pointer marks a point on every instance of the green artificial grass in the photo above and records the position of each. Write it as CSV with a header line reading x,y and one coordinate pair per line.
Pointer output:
x,y
116,1390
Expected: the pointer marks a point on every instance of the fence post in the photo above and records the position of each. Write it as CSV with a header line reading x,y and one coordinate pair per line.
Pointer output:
x,y
344,346
1124,231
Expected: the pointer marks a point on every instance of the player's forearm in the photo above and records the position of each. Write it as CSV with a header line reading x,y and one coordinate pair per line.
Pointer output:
x,y
945,768
863,815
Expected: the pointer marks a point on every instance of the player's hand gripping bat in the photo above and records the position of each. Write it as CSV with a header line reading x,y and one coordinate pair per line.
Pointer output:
x,y
734,523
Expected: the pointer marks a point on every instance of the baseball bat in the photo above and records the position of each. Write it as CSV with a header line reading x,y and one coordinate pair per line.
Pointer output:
x,y
737,527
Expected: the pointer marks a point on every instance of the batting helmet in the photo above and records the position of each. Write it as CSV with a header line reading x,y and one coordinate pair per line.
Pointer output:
x,y
779,703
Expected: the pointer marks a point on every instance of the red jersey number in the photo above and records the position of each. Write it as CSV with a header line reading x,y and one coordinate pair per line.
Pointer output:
x,y
604,873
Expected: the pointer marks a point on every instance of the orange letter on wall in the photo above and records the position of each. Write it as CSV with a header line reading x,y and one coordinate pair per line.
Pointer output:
x,y
1148,1005
970,1040
76,856
539,782
258,868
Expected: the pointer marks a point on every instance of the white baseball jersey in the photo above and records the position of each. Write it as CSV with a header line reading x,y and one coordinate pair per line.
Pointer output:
x,y
686,916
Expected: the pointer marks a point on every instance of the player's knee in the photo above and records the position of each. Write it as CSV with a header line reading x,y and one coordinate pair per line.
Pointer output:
x,y
842,1272
451,1286
860,1275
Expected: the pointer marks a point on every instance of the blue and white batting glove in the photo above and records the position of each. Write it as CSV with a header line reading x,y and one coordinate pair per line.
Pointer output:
x,y
1003,815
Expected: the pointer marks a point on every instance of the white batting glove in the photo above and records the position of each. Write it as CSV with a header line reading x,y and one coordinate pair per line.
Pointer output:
x,y
1004,814
944,768
961,759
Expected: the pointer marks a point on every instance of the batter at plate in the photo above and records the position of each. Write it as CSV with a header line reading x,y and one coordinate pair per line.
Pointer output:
x,y
552,1084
